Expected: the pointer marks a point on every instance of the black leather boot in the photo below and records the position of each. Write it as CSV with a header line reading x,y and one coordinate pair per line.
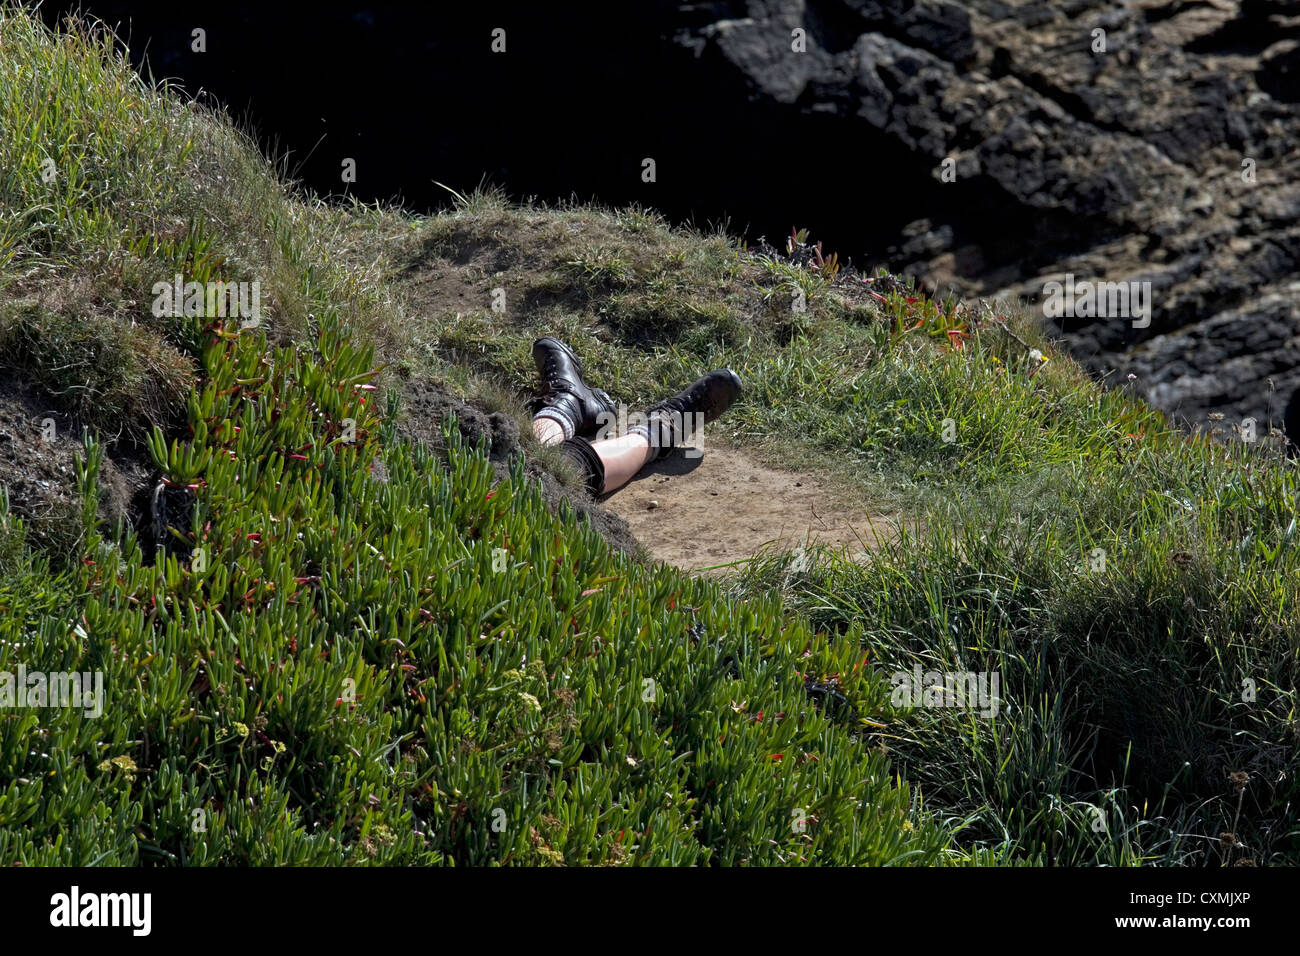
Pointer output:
x,y
564,396
674,421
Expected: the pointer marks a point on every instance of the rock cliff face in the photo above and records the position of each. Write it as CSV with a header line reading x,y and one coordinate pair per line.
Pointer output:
x,y
1153,141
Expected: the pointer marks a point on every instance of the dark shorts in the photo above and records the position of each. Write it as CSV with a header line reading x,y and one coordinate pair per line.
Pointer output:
x,y
589,464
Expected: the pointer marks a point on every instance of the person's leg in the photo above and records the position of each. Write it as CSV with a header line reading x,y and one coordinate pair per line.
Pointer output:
x,y
547,430
568,411
610,463
622,457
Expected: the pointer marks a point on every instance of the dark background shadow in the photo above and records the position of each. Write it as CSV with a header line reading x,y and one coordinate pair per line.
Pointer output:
x,y
582,95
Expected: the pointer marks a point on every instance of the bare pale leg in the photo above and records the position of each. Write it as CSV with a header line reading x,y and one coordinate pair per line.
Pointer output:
x,y
623,457
548,431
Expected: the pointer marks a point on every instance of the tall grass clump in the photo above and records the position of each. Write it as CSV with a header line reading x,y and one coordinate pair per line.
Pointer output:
x,y
1133,587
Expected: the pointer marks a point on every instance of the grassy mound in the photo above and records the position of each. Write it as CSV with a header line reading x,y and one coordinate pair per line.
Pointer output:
x,y
348,650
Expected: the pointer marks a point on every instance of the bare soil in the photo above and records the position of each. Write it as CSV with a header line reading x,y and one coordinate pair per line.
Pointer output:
x,y
725,507
40,478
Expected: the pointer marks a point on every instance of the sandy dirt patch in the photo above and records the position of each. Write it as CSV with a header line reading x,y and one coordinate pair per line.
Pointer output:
x,y
725,507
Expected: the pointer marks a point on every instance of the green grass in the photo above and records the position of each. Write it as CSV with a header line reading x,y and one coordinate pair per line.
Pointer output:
x,y
342,674
334,670
328,668
108,186
1136,588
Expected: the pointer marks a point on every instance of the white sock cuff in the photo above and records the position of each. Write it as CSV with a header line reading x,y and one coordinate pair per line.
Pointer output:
x,y
565,425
